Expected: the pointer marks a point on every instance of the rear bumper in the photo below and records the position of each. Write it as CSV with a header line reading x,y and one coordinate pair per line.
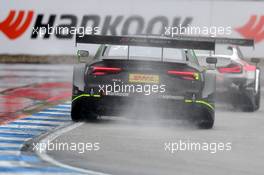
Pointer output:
x,y
230,89
118,106
233,82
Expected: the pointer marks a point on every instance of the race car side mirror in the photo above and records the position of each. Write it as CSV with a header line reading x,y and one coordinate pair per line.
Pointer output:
x,y
211,60
255,60
82,56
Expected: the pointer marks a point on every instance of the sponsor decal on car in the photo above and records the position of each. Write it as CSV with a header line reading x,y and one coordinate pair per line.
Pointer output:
x,y
143,78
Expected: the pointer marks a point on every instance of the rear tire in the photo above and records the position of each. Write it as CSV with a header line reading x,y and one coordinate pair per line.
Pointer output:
x,y
207,121
206,125
81,111
202,117
257,99
251,101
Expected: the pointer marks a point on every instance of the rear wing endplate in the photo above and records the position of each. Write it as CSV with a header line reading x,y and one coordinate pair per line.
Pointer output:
x,y
164,42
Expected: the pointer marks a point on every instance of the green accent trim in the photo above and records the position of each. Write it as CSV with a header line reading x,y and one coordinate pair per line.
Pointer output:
x,y
79,57
196,76
200,102
188,101
96,96
99,52
79,96
205,103
85,95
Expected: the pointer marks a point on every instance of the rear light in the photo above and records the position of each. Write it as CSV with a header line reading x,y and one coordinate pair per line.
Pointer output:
x,y
231,68
249,67
97,70
187,75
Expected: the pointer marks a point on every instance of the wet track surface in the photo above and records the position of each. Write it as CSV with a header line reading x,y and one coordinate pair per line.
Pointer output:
x,y
27,95
128,145
24,87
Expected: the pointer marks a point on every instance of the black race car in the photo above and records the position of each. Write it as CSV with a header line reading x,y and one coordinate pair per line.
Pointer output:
x,y
143,72
238,80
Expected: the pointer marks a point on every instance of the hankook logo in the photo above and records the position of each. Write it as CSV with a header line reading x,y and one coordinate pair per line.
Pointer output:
x,y
14,26
254,28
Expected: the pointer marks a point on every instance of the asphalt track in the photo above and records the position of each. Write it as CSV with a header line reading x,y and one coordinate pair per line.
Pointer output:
x,y
28,96
136,145
128,144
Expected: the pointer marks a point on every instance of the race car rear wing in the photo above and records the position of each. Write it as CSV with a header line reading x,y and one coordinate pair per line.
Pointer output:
x,y
235,41
219,40
163,42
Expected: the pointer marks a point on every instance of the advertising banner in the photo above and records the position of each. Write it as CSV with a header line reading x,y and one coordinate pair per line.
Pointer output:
x,y
48,27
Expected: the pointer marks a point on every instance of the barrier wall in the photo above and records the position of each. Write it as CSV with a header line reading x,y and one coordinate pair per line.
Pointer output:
x,y
19,20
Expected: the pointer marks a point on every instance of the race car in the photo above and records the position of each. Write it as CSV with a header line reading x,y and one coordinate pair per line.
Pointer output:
x,y
143,71
238,81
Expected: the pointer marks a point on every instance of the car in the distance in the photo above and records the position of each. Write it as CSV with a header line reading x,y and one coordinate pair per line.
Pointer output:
x,y
238,80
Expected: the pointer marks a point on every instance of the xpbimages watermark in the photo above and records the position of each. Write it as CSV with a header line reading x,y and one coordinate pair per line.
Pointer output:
x,y
126,89
198,30
195,146
80,147
60,30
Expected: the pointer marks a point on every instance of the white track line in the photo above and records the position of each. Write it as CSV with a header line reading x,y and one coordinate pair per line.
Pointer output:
x,y
49,117
54,113
18,132
10,152
40,122
65,105
14,163
56,116
11,144
60,109
28,126
43,155
14,138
